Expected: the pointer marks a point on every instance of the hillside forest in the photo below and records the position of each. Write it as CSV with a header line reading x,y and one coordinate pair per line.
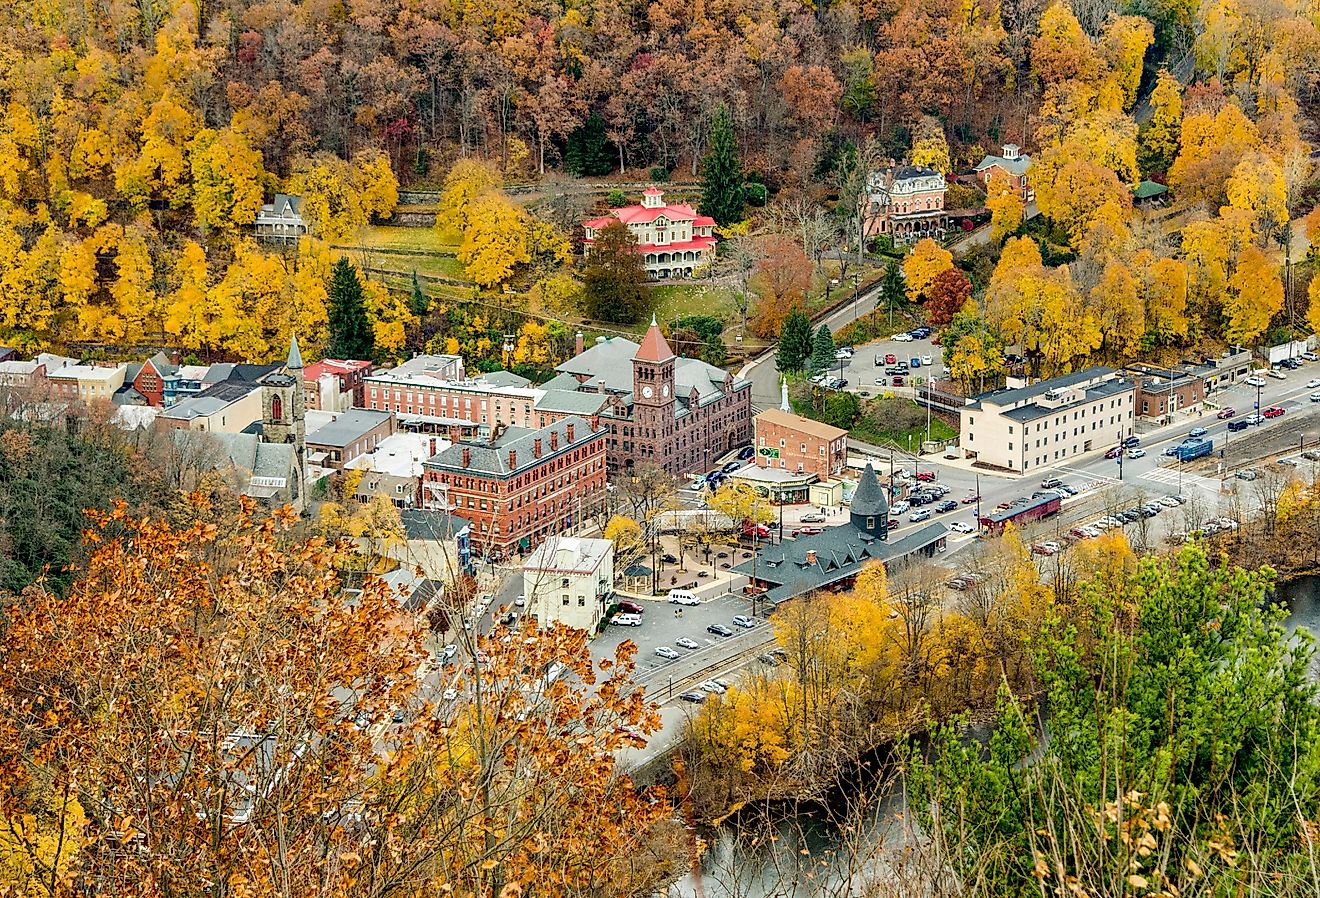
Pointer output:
x,y
140,139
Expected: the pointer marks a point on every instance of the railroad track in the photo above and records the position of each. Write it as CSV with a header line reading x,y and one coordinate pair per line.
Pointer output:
x,y
683,684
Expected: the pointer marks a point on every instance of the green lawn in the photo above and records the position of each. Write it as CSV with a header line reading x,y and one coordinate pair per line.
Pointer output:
x,y
695,298
416,240
867,432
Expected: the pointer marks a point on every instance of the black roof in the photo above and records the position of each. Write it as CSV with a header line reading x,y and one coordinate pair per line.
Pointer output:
x,y
869,497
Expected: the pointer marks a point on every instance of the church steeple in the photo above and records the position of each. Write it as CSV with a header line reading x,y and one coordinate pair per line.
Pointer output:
x,y
295,361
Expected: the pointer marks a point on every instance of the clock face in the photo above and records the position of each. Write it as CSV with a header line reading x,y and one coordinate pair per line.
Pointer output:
x,y
647,392
664,391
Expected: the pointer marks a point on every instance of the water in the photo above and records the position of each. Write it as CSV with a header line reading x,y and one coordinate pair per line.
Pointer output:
x,y
841,847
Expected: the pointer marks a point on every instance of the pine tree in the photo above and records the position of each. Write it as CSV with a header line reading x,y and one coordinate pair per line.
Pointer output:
x,y
721,173
614,276
795,342
350,331
421,304
892,288
588,151
822,350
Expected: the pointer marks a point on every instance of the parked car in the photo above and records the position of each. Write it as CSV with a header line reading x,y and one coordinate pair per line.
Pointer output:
x,y
901,338
732,466
961,527
926,360
1254,419
687,642
710,687
449,651
899,507
921,514
1051,483
1309,356
898,380
1246,474
915,363
1067,490
813,518
669,558
1136,453
695,697
683,597
744,621
807,531
1274,411
1235,426
1230,412
626,620
894,522
747,453
667,653
946,505
926,476
631,607
1254,381
1315,397
890,358
1197,432
1276,374
968,500
719,630
768,658
1115,452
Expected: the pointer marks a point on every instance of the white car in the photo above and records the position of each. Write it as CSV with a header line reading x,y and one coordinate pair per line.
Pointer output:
x,y
667,653
682,597
1313,384
1254,381
1310,357
960,527
687,642
1315,397
1277,374
901,338
1136,453
521,601
450,651
899,508
1090,532
449,694
925,360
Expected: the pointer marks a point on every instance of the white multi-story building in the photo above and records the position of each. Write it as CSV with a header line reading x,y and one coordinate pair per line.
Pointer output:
x,y
280,221
569,579
1025,427
673,239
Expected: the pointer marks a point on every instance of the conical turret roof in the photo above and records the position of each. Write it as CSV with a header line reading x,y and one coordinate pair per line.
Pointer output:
x,y
869,498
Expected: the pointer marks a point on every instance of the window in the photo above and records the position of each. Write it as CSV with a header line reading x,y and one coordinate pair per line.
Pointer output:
x,y
276,408
870,523
565,600
582,601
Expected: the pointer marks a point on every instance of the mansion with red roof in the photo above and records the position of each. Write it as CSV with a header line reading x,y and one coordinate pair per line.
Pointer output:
x,y
673,239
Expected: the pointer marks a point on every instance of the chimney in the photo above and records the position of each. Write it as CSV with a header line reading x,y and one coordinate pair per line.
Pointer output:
x,y
513,459
569,428
577,344
432,446
600,386
467,457
536,448
811,556
554,440
595,423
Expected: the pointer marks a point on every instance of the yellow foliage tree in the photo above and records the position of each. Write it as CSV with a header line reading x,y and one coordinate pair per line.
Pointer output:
x,y
1210,148
227,176
1005,205
1256,186
1254,297
495,240
137,307
1124,43
466,181
1062,51
390,317
926,262
189,317
932,151
1118,310
1159,139
1079,193
1163,285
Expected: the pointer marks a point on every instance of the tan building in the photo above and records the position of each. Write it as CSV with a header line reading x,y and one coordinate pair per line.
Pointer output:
x,y
788,442
85,382
1026,427
227,407
432,394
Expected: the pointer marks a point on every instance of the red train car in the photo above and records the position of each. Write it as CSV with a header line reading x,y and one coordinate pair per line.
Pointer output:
x,y
1021,512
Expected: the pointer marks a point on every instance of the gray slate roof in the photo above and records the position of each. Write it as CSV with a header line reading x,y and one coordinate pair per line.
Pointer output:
x,y
424,523
505,379
868,499
1033,411
612,361
1016,166
347,427
1040,388
566,382
493,458
840,553
247,451
571,402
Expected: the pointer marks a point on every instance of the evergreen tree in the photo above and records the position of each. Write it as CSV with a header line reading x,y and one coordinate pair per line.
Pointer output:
x,y
794,342
892,288
721,173
822,350
350,331
588,151
614,276
420,303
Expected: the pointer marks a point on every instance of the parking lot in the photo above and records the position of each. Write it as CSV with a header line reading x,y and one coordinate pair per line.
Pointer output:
x,y
864,375
661,626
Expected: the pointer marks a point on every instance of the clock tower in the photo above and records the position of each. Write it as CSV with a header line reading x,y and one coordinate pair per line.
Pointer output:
x,y
654,422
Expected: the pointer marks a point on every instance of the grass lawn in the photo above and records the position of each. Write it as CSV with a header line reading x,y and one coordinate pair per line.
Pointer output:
x,y
675,300
416,240
868,432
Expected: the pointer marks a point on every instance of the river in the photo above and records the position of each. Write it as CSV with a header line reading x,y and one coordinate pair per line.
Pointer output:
x,y
836,848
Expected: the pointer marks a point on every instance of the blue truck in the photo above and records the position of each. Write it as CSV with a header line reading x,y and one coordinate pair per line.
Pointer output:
x,y
1193,448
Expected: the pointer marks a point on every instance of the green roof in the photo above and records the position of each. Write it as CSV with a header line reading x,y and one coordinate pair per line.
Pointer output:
x,y
1147,189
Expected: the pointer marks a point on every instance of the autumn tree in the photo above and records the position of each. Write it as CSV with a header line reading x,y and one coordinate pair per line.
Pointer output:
x,y
350,332
946,296
495,241
1005,205
226,181
926,262
1255,296
721,173
931,149
780,277
1158,141
614,276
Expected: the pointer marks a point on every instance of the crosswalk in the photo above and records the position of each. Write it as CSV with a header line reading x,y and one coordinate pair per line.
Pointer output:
x,y
1169,477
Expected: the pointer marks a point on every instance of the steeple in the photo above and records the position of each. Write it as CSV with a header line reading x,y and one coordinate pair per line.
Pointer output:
x,y
784,405
869,510
654,348
295,357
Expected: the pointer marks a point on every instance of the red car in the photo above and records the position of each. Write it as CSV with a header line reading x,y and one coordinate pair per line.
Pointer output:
x,y
890,358
1272,412
898,380
1115,452
968,500
894,522
807,531
631,607
1226,413
926,476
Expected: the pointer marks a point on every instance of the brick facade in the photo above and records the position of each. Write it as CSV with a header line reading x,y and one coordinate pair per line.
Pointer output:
x,y
522,487
788,442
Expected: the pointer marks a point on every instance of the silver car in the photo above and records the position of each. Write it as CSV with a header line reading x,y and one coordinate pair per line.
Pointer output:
x,y
667,653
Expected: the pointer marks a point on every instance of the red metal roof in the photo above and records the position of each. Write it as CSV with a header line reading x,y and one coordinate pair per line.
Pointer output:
x,y
700,243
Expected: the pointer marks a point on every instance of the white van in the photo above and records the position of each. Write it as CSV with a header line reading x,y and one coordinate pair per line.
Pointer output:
x,y
627,620
683,597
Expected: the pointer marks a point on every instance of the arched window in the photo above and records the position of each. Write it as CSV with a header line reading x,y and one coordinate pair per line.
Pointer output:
x,y
276,409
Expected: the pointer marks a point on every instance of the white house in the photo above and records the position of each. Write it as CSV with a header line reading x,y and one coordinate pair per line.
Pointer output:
x,y
281,221
569,579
